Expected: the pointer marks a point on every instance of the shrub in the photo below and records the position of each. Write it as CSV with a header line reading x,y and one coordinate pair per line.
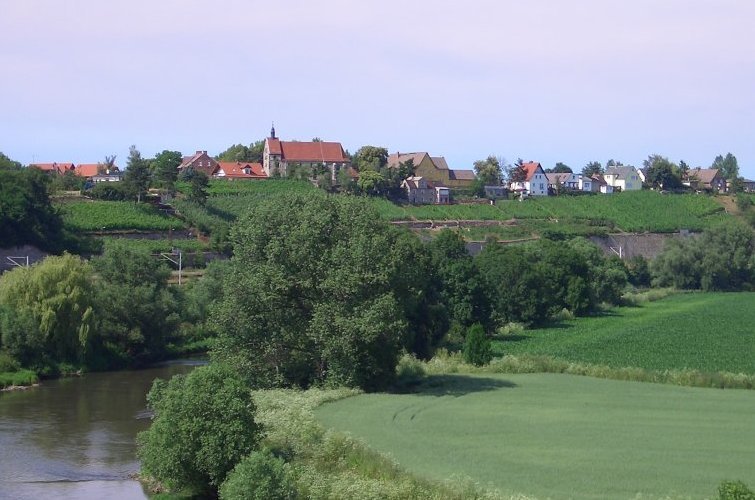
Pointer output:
x,y
260,476
735,490
182,449
110,191
477,350
409,371
8,363
511,328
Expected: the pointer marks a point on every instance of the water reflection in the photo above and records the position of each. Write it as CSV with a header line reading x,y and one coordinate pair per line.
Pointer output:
x,y
74,438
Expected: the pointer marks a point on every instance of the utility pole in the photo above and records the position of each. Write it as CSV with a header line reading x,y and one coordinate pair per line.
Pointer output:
x,y
171,257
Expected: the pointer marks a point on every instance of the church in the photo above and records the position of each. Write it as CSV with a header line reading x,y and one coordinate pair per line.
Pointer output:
x,y
279,156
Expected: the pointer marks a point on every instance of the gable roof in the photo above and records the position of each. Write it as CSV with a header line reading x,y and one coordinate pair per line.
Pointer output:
x,y
317,151
396,158
274,146
461,175
557,177
704,175
54,167
235,169
440,162
621,172
531,168
87,169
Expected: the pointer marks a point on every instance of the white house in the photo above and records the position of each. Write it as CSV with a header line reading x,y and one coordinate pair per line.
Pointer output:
x,y
535,181
624,178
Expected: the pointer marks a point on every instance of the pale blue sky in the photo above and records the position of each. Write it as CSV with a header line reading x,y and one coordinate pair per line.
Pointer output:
x,y
546,80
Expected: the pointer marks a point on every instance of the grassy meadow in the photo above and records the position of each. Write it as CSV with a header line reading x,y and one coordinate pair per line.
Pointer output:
x,y
709,332
116,215
560,436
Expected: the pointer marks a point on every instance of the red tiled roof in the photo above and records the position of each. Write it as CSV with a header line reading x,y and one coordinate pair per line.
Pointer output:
x,y
312,151
87,169
274,145
530,168
235,169
54,167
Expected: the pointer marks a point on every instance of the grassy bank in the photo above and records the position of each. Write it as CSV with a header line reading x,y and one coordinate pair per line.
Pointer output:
x,y
560,436
703,332
18,378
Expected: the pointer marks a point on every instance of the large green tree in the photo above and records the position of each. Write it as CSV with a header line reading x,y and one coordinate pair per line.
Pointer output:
x,y
8,164
728,166
47,313
322,290
593,168
137,174
370,158
165,168
489,170
239,152
662,173
203,426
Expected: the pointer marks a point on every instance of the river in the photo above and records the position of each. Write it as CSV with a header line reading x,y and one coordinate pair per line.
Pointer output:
x,y
75,437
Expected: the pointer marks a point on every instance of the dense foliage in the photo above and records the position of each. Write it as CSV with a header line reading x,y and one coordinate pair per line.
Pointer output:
x,y
477,349
26,214
719,259
321,290
47,313
203,426
260,476
113,215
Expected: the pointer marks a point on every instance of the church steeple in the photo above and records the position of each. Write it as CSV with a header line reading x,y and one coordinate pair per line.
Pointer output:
x,y
272,131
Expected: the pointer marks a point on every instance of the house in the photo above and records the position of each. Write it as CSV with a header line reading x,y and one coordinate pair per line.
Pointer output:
x,y
55,168
433,168
420,191
564,180
113,175
705,178
599,185
624,178
748,185
233,170
279,156
535,182
200,162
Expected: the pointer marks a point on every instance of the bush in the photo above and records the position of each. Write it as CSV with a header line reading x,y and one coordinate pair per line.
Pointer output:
x,y
110,191
203,426
260,476
8,363
409,371
477,350
735,490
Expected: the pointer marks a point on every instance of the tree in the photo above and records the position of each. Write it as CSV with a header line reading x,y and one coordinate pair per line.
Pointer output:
x,y
165,168
517,173
614,163
137,312
371,182
593,168
561,168
203,426
26,213
239,152
727,165
321,290
661,173
137,174
8,164
489,170
48,313
198,187
477,350
260,476
370,158
107,165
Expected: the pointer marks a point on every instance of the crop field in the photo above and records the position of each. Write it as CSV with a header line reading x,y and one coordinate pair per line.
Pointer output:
x,y
156,246
116,215
631,211
561,436
709,332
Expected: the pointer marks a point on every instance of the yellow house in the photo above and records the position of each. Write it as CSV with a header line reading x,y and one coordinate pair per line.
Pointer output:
x,y
434,169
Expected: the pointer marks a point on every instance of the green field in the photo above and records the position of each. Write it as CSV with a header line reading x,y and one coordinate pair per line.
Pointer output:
x,y
156,246
631,211
116,215
561,436
709,332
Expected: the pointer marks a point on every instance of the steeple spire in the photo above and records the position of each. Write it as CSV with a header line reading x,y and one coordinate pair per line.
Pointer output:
x,y
272,131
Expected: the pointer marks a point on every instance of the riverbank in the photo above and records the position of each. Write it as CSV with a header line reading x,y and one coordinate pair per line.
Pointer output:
x,y
18,380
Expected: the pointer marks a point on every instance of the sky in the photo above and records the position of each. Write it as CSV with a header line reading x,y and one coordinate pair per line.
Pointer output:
x,y
542,80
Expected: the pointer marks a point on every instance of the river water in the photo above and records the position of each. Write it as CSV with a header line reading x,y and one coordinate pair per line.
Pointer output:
x,y
75,437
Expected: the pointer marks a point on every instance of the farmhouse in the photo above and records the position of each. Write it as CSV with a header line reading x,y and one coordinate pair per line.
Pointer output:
x,y
279,156
534,181
433,168
233,170
624,178
705,178
420,191
200,162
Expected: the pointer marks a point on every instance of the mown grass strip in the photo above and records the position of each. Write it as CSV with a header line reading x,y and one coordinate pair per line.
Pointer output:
x,y
18,379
